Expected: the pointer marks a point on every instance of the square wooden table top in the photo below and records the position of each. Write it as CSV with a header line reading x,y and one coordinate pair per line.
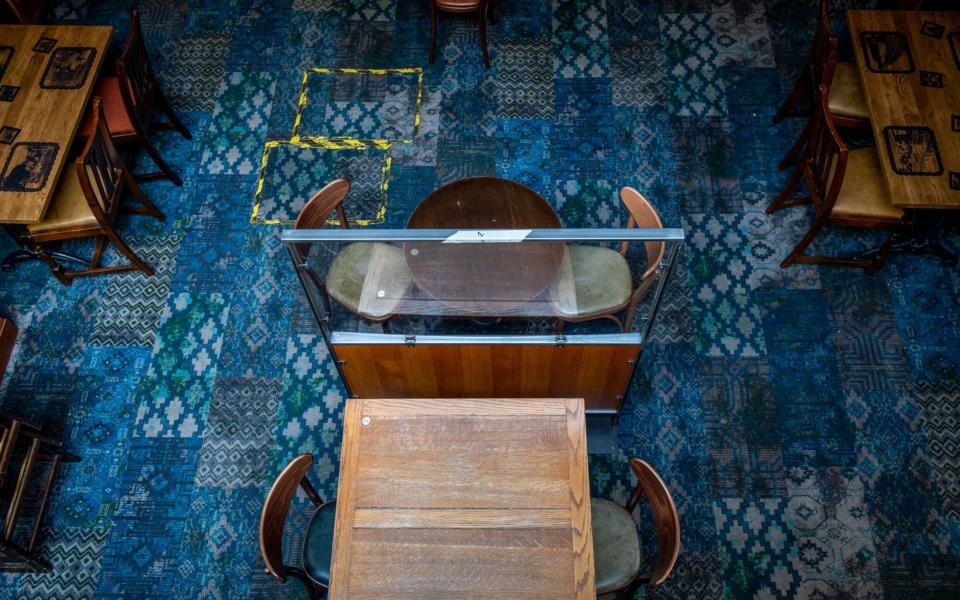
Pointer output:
x,y
47,73
463,499
909,63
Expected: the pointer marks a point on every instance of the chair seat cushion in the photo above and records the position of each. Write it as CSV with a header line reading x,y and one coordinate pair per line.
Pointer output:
x,y
595,280
616,545
118,119
349,272
318,543
846,92
69,208
864,193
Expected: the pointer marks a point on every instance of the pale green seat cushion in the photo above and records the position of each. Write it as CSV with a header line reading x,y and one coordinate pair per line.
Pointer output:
x,y
348,274
616,545
600,281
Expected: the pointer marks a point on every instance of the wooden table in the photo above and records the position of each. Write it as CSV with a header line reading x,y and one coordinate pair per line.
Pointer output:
x,y
47,73
463,499
909,62
488,279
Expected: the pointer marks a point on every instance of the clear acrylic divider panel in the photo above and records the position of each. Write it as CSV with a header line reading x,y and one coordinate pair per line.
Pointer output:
x,y
484,282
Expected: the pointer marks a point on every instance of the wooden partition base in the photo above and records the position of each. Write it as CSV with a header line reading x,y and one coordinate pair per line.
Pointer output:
x,y
599,373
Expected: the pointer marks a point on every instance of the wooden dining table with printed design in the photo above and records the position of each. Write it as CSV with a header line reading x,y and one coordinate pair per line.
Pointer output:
x,y
47,74
909,62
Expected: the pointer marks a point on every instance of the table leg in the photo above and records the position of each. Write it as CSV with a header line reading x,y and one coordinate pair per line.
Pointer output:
x,y
919,239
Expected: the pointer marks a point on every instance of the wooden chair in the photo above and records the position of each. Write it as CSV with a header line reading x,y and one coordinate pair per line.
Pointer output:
x,y
485,9
845,187
596,282
616,543
314,570
86,204
130,99
35,448
847,102
348,271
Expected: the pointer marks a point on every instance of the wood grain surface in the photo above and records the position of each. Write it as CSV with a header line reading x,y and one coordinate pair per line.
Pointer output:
x,y
44,115
899,101
598,373
443,499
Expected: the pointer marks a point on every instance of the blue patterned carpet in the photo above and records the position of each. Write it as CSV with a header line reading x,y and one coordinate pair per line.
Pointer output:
x,y
807,420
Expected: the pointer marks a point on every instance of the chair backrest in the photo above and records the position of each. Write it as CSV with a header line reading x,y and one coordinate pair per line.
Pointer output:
x,y
822,62
643,215
665,517
826,161
314,214
273,516
100,169
138,84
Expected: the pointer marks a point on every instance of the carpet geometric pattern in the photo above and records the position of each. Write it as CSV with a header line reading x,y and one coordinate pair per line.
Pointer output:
x,y
805,419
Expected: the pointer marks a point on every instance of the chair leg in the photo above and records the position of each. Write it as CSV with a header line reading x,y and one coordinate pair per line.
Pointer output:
x,y
433,31
483,36
124,249
173,118
162,164
492,11
58,271
795,154
797,253
148,207
789,105
783,199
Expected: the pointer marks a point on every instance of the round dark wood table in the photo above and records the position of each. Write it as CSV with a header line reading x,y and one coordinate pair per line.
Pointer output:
x,y
488,279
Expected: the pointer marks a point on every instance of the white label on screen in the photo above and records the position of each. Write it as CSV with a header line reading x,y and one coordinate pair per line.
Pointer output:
x,y
488,236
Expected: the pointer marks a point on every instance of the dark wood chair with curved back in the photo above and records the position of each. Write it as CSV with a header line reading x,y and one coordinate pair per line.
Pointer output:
x,y
596,282
131,99
485,9
616,543
347,274
847,101
87,202
314,570
845,188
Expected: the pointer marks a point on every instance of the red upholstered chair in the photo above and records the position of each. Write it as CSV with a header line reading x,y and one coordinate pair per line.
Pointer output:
x,y
87,203
130,100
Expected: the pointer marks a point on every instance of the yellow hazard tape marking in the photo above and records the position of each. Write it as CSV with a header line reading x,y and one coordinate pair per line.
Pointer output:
x,y
337,143
261,178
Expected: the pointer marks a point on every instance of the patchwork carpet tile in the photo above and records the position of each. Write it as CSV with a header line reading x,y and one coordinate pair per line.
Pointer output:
x,y
232,144
196,70
291,173
359,104
175,394
805,419
236,446
131,303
